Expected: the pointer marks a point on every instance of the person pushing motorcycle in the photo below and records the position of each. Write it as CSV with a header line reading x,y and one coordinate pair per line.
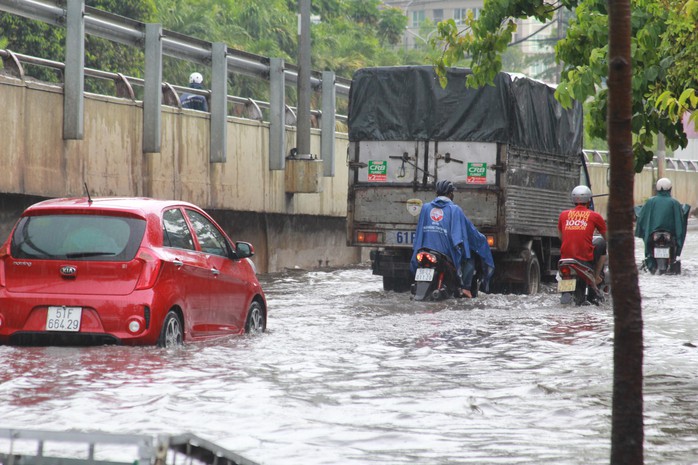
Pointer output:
x,y
661,212
443,226
576,229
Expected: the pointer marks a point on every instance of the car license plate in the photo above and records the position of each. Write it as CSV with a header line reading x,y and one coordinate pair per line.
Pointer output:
x,y
63,319
424,274
661,252
566,285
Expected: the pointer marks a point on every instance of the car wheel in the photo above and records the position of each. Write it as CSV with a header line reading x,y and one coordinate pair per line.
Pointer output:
x,y
171,334
256,322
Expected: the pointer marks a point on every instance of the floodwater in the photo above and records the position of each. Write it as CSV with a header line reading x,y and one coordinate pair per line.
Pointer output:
x,y
350,374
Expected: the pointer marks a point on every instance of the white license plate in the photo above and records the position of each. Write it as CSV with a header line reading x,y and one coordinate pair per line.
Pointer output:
x,y
566,285
661,252
424,274
63,319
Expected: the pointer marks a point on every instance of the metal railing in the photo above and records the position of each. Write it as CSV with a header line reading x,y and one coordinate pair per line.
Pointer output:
x,y
156,42
677,164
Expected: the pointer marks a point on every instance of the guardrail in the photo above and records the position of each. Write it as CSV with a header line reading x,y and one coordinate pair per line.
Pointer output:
x,y
35,447
601,156
155,41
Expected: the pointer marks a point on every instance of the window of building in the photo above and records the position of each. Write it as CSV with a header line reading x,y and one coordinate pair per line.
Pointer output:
x,y
438,15
417,18
460,14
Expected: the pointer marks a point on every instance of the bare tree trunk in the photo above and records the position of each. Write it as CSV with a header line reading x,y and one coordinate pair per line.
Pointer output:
x,y
627,425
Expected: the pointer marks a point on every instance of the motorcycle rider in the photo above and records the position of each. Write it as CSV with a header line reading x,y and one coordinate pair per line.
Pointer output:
x,y
661,212
194,101
576,230
443,226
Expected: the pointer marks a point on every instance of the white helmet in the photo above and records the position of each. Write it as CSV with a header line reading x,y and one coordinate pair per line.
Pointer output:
x,y
196,78
663,184
581,194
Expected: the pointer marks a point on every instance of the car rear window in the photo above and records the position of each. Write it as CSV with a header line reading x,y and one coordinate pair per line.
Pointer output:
x,y
77,237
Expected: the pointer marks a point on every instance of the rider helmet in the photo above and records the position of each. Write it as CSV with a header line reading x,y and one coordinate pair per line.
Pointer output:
x,y
581,194
444,187
196,78
663,184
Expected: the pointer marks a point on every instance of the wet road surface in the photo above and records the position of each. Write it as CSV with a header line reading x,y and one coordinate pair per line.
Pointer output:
x,y
350,374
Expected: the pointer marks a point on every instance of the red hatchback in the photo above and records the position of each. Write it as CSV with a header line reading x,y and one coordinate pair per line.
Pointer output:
x,y
132,271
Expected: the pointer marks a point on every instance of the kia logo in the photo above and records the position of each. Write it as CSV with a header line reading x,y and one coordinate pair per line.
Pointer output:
x,y
68,270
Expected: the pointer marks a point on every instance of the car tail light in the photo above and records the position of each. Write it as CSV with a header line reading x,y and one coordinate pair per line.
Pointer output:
x,y
151,268
565,271
4,253
369,237
425,258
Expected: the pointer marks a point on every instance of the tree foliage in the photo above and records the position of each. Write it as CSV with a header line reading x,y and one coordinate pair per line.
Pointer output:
x,y
664,52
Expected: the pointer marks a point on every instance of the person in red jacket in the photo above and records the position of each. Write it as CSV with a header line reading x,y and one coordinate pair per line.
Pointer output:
x,y
576,229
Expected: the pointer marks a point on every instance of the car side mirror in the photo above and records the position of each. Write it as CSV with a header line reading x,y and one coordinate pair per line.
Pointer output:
x,y
243,249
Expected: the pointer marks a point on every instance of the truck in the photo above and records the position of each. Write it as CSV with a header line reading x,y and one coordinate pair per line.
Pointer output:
x,y
512,151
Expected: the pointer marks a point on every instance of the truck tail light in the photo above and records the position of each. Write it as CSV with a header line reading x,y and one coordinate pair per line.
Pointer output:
x,y
369,237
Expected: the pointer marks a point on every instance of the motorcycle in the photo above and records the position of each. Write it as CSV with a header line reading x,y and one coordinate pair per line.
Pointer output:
x,y
577,284
663,251
436,277
662,248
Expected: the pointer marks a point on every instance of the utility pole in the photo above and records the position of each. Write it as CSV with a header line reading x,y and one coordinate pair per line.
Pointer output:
x,y
661,158
303,116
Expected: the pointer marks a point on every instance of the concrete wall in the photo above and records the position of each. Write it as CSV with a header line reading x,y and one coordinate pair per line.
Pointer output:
x,y
287,230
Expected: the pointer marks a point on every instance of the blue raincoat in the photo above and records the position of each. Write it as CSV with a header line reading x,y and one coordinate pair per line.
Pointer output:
x,y
443,226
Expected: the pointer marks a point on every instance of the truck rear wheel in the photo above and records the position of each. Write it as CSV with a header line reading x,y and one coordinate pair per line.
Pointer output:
x,y
391,283
531,283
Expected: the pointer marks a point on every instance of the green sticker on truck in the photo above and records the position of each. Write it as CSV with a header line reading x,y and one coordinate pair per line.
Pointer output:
x,y
477,173
377,170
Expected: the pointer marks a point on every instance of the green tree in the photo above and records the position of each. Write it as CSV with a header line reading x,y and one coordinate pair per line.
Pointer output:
x,y
664,52
606,43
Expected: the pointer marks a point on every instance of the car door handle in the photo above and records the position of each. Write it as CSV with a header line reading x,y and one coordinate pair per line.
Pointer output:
x,y
215,271
177,262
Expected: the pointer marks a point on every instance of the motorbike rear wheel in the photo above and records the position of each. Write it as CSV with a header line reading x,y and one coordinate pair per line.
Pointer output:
x,y
580,293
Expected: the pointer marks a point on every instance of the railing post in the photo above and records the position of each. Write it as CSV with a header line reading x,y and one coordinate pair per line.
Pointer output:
x,y
277,115
219,102
327,123
74,75
152,92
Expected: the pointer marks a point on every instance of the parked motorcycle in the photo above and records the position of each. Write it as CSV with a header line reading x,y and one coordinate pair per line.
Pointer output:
x,y
436,277
576,283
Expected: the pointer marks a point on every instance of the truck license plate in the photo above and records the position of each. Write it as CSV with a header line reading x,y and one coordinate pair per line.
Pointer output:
x,y
424,274
63,319
566,285
661,252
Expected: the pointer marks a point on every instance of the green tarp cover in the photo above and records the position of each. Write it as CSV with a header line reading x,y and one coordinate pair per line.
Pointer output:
x,y
406,103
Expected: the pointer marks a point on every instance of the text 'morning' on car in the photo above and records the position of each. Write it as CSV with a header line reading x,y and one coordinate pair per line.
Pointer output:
x,y
131,271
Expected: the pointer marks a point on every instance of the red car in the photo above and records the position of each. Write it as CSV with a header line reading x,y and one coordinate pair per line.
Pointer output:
x,y
132,271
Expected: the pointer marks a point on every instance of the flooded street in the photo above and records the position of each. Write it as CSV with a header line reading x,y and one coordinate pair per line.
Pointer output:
x,y
350,374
